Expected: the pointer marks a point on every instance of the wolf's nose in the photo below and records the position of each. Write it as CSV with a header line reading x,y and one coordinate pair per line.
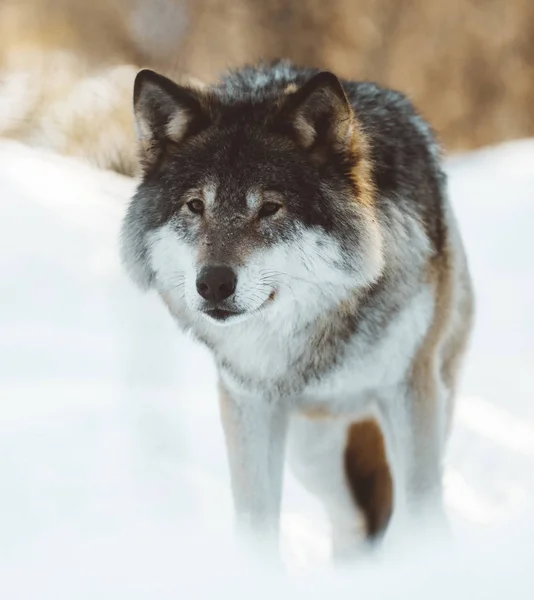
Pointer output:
x,y
215,284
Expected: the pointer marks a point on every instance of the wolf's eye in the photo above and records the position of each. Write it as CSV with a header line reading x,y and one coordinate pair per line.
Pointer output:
x,y
196,206
268,209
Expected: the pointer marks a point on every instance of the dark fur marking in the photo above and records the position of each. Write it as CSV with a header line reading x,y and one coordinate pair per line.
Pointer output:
x,y
238,137
368,475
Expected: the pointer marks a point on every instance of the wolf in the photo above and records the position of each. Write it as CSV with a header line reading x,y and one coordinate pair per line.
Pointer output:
x,y
299,226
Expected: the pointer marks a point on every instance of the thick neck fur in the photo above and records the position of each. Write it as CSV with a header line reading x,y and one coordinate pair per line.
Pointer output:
x,y
284,349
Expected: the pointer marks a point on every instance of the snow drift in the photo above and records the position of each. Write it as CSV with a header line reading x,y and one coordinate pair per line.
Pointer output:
x,y
113,480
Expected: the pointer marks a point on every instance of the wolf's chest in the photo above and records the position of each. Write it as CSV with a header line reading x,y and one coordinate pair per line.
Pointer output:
x,y
260,354
267,361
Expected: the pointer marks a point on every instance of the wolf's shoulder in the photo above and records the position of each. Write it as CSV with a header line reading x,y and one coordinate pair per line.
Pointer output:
x,y
405,154
393,124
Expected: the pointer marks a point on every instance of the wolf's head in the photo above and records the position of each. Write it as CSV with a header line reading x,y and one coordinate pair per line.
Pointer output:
x,y
251,202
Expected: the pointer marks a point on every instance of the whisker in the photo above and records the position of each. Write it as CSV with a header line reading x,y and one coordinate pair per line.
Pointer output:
x,y
292,277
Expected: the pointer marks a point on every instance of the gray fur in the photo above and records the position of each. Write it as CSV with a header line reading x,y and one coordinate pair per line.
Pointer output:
x,y
337,294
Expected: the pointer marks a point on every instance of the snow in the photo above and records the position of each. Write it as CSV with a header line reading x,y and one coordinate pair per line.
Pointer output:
x,y
113,478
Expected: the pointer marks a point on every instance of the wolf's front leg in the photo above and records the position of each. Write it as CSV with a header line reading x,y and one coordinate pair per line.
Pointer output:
x,y
255,432
415,427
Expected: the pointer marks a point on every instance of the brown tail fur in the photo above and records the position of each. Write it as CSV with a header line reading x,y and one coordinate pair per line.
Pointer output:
x,y
369,476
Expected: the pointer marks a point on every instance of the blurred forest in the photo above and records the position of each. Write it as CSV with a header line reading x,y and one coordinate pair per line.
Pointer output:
x,y
468,65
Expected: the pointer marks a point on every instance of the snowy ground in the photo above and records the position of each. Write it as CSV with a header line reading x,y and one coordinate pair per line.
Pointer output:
x,y
113,479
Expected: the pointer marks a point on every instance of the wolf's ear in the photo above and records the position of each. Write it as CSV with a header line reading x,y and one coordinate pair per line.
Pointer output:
x,y
164,112
319,114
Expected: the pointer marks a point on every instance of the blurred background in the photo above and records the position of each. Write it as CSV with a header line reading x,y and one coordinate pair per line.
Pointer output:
x,y
66,66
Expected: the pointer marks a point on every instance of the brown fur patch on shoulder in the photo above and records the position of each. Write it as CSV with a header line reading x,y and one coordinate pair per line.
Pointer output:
x,y
368,474
442,350
440,277
456,343
426,363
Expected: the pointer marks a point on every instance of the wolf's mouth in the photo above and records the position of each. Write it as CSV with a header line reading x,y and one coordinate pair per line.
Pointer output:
x,y
220,314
